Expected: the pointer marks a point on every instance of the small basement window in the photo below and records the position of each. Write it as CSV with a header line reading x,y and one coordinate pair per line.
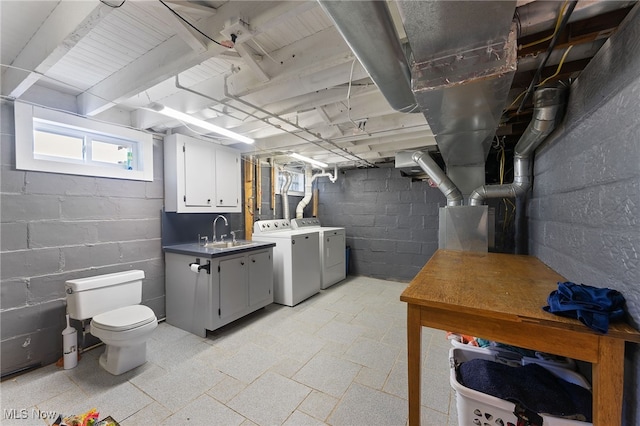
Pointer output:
x,y
54,141
297,183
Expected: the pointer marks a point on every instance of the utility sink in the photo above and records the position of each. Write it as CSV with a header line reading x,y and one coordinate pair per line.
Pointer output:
x,y
228,244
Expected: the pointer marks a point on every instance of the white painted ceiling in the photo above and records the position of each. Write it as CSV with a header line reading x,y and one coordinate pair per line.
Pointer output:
x,y
109,59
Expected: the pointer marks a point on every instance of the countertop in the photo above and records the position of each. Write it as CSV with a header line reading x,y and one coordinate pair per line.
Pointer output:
x,y
194,249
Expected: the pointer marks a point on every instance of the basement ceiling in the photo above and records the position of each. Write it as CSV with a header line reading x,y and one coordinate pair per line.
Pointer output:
x,y
278,72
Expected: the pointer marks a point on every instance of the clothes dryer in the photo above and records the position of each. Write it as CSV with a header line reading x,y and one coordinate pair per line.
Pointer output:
x,y
332,249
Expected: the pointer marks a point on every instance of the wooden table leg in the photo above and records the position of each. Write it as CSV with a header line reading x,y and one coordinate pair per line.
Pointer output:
x,y
608,378
414,336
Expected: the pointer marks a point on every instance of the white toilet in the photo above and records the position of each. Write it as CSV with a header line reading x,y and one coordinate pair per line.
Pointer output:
x,y
112,300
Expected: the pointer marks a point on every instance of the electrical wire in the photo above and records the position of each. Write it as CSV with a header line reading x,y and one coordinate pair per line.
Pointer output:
x,y
552,45
558,20
112,6
190,24
515,101
564,56
349,96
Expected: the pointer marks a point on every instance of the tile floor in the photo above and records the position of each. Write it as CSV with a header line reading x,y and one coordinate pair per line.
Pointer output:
x,y
338,358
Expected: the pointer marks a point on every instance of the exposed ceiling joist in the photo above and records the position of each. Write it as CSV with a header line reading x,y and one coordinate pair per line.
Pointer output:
x,y
61,31
170,58
248,55
189,35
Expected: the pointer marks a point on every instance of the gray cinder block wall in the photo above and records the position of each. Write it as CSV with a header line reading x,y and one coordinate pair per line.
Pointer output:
x,y
57,227
391,222
584,215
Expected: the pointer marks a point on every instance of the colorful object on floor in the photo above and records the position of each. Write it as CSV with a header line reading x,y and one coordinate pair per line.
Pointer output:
x,y
90,418
462,338
594,307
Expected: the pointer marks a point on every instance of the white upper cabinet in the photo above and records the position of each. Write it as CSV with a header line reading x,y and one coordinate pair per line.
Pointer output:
x,y
227,173
200,176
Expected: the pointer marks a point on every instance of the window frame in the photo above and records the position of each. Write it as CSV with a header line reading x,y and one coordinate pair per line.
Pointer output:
x,y
293,172
29,117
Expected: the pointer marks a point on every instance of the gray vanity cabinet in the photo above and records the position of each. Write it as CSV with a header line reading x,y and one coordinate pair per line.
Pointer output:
x,y
235,285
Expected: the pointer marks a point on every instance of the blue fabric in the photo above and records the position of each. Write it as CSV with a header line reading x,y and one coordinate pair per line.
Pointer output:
x,y
533,386
595,307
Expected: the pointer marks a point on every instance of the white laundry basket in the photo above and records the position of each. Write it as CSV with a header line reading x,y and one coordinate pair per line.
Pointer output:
x,y
479,409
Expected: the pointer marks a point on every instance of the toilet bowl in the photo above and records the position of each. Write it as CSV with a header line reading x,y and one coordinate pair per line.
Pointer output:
x,y
123,325
125,332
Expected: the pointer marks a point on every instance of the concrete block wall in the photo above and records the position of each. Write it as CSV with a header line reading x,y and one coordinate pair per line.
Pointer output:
x,y
57,227
391,222
584,216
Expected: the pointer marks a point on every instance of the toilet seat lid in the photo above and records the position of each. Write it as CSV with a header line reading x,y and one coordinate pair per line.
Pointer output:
x,y
124,318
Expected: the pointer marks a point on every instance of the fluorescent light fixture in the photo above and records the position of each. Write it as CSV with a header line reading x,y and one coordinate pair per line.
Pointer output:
x,y
170,112
309,160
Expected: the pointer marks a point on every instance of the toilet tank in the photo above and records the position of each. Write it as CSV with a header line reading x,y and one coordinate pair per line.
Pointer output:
x,y
88,297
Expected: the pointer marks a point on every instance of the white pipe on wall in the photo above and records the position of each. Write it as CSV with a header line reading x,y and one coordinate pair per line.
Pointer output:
x,y
308,185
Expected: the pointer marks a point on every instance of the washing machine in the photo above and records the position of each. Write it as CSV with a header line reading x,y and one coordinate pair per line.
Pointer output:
x,y
332,249
296,260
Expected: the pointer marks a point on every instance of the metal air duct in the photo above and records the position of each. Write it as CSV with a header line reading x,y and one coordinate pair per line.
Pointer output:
x,y
284,193
437,175
465,58
368,29
549,103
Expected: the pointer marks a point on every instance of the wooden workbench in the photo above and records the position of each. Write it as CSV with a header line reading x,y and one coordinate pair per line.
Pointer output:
x,y
500,297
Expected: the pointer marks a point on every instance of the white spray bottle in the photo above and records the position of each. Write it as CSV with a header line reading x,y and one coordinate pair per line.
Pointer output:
x,y
69,346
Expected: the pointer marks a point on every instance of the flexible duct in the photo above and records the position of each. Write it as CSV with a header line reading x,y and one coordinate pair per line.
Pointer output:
x,y
284,193
369,31
549,103
438,176
308,184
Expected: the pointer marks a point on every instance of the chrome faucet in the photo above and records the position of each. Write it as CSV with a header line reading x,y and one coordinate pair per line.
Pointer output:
x,y
214,225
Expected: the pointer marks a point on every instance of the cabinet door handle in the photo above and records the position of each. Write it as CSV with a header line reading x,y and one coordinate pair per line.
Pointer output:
x,y
208,200
253,260
242,262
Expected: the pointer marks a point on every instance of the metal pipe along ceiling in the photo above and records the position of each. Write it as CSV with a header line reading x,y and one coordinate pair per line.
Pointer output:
x,y
368,29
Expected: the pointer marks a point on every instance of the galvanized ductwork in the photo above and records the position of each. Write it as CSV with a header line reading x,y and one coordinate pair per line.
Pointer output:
x,y
284,194
368,29
549,104
438,176
465,58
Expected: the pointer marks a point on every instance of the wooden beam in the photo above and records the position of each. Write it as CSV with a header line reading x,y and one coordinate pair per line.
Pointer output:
x,y
249,199
61,31
248,55
190,36
166,60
